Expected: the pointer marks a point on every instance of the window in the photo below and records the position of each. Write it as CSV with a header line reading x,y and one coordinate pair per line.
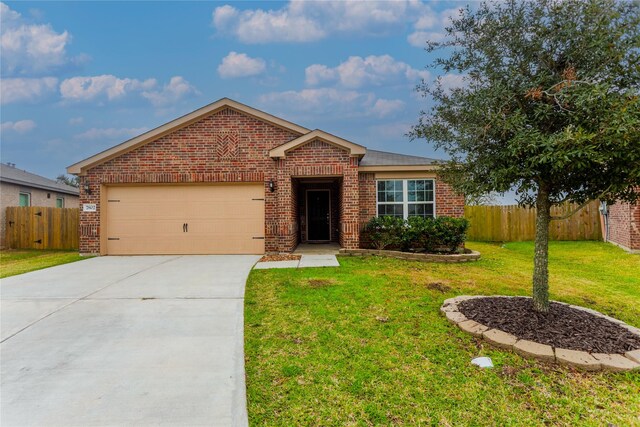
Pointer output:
x,y
405,198
391,198
59,202
25,199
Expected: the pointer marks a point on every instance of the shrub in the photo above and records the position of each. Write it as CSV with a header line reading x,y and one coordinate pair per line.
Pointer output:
x,y
384,231
430,234
415,231
450,233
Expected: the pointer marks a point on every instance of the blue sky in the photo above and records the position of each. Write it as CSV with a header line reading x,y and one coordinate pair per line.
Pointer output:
x,y
79,77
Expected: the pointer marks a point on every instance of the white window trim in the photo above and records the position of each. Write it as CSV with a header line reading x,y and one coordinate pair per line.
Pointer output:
x,y
405,195
60,198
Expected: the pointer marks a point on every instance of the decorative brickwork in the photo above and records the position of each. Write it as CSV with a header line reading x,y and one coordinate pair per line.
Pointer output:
x,y
227,145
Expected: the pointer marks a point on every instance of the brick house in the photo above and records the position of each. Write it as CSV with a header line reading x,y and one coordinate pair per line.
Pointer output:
x,y
622,225
230,179
21,188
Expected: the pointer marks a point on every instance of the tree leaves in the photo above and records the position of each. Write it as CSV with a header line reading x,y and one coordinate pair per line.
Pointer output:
x,y
551,97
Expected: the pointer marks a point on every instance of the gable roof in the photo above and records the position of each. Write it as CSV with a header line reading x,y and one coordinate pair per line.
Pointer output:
x,y
353,149
172,126
13,175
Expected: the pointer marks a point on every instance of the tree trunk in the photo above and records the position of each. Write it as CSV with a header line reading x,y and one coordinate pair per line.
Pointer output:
x,y
541,256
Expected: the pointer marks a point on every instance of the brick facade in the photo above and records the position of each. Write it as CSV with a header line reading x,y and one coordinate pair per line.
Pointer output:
x,y
230,146
624,225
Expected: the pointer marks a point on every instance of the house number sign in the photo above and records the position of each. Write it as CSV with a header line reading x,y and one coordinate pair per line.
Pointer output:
x,y
89,207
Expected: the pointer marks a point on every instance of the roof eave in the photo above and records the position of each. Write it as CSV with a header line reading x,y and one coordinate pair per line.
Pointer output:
x,y
39,186
397,168
281,151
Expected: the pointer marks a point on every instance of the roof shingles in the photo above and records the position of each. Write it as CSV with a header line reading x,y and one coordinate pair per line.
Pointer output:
x,y
13,175
383,158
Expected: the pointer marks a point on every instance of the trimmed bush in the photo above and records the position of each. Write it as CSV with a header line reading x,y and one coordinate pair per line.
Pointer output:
x,y
384,231
450,233
442,234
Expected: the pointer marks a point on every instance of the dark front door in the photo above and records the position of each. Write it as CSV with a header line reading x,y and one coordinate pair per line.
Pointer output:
x,y
318,215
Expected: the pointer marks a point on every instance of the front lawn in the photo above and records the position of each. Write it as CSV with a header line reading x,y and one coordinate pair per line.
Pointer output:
x,y
18,261
364,344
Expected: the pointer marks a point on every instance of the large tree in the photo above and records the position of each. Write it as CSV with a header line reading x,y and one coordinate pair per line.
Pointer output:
x,y
549,105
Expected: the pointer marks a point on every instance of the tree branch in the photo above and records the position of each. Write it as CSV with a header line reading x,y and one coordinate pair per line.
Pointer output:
x,y
558,218
562,84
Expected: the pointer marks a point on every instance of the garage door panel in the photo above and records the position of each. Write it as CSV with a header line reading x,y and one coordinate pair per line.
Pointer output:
x,y
143,227
134,245
222,219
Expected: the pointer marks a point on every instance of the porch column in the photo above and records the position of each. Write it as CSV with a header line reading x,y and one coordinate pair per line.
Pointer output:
x,y
349,209
285,215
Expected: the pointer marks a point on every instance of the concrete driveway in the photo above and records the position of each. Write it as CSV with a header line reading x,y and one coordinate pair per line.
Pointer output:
x,y
147,340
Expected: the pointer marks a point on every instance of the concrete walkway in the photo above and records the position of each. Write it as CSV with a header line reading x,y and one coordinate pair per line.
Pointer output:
x,y
125,341
304,261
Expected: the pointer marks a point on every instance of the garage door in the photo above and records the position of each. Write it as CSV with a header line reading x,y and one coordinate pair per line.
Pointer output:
x,y
181,219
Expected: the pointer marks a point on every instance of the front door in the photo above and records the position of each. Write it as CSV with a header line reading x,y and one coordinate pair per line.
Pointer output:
x,y
318,215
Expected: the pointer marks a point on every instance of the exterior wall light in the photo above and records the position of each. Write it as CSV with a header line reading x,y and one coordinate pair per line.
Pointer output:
x,y
272,186
87,187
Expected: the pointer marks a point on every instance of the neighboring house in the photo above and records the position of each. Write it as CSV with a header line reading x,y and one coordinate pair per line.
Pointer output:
x,y
230,179
22,188
621,225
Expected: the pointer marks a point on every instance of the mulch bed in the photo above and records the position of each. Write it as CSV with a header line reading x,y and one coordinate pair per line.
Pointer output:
x,y
280,257
562,326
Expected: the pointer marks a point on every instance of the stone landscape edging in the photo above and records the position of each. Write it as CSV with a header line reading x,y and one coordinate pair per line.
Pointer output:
x,y
529,349
453,258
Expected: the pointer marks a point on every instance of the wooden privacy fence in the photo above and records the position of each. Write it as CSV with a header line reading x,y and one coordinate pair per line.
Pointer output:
x,y
42,228
514,223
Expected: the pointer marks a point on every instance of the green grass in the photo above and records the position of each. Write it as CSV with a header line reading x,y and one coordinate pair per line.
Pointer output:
x,y
18,261
364,344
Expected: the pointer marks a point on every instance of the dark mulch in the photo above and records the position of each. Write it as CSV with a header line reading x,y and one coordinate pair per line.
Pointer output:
x,y
562,326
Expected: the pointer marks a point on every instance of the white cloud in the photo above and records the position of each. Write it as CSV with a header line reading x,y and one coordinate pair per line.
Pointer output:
x,y
308,21
430,27
7,16
175,90
26,90
31,48
373,70
21,126
451,81
89,88
109,87
110,133
240,65
74,121
419,38
330,101
259,26
387,107
317,73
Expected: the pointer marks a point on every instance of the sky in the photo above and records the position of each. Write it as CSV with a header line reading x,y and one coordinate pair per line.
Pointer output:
x,y
79,77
